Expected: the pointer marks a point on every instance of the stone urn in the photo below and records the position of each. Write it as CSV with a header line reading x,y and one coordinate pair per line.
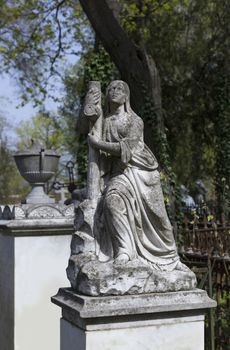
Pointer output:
x,y
37,165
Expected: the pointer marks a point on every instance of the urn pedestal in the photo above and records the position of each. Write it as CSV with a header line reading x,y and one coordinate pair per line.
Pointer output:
x,y
34,249
158,321
37,166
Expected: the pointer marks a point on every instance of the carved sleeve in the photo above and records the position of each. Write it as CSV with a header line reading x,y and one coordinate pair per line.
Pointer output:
x,y
130,142
113,148
125,147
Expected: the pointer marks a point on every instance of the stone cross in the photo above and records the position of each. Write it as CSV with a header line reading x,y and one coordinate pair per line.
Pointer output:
x,y
93,111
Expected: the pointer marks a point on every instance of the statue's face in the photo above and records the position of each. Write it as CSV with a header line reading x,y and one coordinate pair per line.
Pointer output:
x,y
116,93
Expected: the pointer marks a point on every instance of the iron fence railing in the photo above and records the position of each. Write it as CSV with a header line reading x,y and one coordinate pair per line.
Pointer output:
x,y
205,248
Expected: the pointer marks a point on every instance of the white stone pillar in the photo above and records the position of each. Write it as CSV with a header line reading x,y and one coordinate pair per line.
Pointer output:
x,y
160,321
34,252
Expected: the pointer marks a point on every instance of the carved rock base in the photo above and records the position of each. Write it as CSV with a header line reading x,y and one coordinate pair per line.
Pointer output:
x,y
92,277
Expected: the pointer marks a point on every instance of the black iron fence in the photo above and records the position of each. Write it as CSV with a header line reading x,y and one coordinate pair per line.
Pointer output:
x,y
205,248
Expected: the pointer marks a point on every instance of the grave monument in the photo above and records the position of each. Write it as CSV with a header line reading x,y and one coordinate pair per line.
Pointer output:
x,y
129,288
34,246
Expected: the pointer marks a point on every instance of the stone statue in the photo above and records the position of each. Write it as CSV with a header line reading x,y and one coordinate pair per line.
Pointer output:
x,y
187,200
200,192
135,250
132,220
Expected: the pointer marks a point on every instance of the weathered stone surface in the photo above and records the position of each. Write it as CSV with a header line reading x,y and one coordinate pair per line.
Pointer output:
x,y
37,166
41,220
172,333
82,243
159,321
36,211
84,219
77,308
123,220
76,262
33,257
92,277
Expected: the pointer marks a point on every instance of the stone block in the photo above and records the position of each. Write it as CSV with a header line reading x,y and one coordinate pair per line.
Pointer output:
x,y
157,321
33,256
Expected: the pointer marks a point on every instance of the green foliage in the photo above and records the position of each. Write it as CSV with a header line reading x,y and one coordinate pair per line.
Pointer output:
x,y
44,128
94,65
35,38
12,186
222,125
52,132
69,112
189,42
98,66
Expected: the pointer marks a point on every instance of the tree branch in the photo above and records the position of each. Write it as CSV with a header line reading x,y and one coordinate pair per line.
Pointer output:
x,y
132,61
136,67
59,48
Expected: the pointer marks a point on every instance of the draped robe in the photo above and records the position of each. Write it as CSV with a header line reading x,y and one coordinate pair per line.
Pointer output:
x,y
131,217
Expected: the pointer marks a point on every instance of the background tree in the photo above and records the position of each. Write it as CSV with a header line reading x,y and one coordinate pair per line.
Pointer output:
x,y
44,127
12,186
188,40
36,33
94,65
222,125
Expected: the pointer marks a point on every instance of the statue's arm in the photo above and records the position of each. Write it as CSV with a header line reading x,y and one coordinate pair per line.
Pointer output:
x,y
112,148
125,147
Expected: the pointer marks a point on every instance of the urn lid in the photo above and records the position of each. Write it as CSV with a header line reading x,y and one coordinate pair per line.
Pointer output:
x,y
35,149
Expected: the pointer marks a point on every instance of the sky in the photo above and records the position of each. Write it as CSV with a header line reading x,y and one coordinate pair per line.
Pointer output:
x,y
10,99
9,95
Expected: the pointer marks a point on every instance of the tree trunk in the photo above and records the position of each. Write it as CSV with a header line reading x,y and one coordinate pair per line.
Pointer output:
x,y
136,67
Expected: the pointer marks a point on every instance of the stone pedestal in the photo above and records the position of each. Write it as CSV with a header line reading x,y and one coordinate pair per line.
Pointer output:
x,y
34,250
159,321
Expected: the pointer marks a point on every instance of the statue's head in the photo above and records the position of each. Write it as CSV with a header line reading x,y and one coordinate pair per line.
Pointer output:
x,y
183,190
118,92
